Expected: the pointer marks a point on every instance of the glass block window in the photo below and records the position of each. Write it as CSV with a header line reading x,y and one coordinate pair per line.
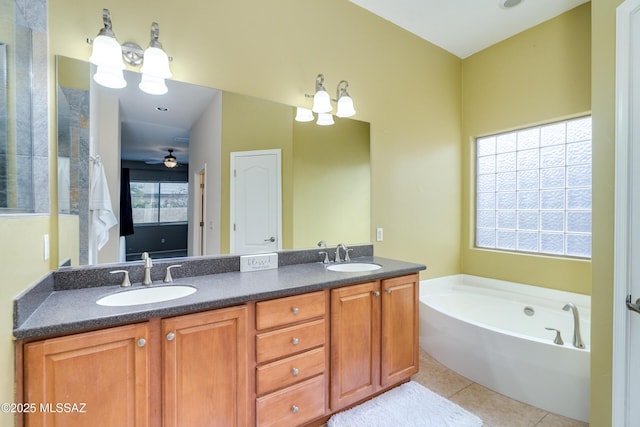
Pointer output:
x,y
159,202
533,189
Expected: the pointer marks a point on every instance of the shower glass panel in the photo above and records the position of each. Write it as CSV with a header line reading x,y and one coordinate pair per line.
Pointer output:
x,y
3,120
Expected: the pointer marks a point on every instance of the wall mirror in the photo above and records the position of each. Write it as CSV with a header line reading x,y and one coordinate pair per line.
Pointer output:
x,y
324,170
24,163
4,136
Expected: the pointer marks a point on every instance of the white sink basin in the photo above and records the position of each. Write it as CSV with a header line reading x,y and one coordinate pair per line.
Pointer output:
x,y
354,267
146,295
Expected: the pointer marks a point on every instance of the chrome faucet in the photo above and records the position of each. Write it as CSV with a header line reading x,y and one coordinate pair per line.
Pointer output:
x,y
167,275
577,338
147,268
325,253
340,245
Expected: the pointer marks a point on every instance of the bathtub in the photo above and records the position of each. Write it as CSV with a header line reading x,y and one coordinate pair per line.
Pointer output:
x,y
478,327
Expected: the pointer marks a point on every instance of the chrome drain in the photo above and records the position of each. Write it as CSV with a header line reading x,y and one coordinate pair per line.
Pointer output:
x,y
529,311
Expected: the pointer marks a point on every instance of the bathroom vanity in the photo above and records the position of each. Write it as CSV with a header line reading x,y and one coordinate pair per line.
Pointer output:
x,y
282,347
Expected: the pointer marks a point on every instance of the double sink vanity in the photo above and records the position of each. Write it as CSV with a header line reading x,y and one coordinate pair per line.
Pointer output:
x,y
216,347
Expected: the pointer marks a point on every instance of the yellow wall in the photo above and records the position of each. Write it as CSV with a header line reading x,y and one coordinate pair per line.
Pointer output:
x,y
255,124
407,88
69,247
21,252
603,108
540,75
409,91
331,183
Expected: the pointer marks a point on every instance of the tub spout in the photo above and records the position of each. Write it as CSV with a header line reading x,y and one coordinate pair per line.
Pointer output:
x,y
577,338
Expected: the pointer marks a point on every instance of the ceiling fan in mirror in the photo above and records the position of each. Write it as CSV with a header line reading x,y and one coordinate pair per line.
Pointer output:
x,y
169,160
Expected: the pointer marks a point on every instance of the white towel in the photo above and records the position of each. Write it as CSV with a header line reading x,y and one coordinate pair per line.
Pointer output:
x,y
64,185
102,217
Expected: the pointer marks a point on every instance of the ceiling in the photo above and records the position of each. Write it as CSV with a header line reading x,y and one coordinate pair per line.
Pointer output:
x,y
464,27
153,124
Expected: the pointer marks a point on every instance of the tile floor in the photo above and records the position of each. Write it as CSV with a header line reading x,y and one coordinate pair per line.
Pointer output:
x,y
495,409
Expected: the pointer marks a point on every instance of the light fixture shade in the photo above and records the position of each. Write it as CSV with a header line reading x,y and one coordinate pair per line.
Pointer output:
x,y
304,115
325,119
345,107
152,85
321,102
156,63
170,160
107,55
155,68
170,163
111,77
106,51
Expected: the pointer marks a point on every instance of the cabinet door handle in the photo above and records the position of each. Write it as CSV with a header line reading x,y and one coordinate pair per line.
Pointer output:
x,y
141,342
376,293
295,310
295,341
388,290
295,372
171,336
295,409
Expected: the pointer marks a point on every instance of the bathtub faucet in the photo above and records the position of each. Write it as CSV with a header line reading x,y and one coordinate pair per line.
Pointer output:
x,y
577,338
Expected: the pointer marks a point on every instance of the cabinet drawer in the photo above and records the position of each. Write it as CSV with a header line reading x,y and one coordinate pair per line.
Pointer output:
x,y
292,406
291,370
287,310
291,340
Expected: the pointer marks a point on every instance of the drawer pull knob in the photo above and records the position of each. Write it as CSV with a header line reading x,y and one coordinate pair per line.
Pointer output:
x,y
295,371
141,342
171,336
295,341
295,409
295,310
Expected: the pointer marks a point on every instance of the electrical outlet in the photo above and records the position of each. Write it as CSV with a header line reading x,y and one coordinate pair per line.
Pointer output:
x,y
379,234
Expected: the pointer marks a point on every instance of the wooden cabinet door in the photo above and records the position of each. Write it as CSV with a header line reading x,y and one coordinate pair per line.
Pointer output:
x,y
205,369
355,343
399,347
96,378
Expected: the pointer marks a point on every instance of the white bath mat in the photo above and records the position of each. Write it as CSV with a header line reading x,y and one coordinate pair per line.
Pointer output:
x,y
408,405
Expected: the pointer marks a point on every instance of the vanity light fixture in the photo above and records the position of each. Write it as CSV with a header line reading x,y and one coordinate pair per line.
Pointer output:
x,y
107,56
321,99
110,57
325,119
155,65
322,103
304,114
345,103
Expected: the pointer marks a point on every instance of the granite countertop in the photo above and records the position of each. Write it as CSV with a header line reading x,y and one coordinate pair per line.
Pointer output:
x,y
72,310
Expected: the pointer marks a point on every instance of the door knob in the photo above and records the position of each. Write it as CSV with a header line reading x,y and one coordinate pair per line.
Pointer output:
x,y
633,306
270,239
